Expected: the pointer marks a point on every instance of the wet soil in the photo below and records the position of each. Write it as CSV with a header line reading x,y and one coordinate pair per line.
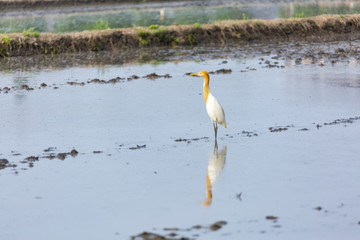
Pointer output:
x,y
320,28
175,233
320,53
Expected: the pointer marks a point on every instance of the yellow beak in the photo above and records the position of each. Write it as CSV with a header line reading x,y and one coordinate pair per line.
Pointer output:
x,y
195,74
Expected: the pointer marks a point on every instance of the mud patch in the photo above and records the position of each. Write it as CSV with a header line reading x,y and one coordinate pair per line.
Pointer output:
x,y
278,129
343,121
155,76
177,233
272,217
113,80
4,163
137,147
48,154
223,71
189,140
249,134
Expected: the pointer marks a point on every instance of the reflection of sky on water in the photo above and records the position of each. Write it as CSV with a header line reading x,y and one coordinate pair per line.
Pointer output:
x,y
122,192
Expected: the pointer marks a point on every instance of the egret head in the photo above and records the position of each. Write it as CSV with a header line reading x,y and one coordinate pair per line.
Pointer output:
x,y
203,74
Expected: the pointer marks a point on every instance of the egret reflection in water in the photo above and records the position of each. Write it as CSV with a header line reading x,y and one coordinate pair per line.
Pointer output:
x,y
215,166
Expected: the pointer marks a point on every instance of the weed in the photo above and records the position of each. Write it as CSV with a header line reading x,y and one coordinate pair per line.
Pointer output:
x,y
5,46
197,25
36,34
163,36
6,40
192,38
101,25
245,17
160,31
144,37
341,16
95,47
29,31
152,27
300,15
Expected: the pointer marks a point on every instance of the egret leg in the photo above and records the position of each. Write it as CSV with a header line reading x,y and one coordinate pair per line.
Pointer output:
x,y
215,148
215,129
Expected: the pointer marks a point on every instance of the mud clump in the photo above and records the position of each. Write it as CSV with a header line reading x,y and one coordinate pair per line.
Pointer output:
x,y
318,208
32,159
113,80
155,76
249,134
50,149
154,236
189,140
223,71
137,147
61,156
277,129
76,83
216,226
26,87
343,121
272,217
4,163
173,235
5,90
132,77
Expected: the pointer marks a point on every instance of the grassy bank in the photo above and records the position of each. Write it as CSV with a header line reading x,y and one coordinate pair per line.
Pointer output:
x,y
325,27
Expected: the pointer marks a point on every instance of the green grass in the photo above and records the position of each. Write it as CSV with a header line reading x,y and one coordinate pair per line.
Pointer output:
x,y
29,31
300,15
197,25
144,37
152,27
6,40
101,25
245,17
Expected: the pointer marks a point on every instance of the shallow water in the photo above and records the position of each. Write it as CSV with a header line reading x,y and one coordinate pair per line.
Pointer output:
x,y
97,17
116,187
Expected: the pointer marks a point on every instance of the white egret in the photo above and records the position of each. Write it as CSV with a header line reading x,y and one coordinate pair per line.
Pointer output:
x,y
213,107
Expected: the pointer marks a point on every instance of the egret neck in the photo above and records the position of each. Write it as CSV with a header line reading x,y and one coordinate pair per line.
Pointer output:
x,y
206,87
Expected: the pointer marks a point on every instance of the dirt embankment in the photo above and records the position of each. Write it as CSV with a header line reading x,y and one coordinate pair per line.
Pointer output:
x,y
326,27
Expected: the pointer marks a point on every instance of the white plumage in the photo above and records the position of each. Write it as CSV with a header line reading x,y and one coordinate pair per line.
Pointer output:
x,y
215,111
213,107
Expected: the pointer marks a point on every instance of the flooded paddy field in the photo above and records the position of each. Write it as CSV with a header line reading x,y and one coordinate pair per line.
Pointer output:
x,y
115,151
42,16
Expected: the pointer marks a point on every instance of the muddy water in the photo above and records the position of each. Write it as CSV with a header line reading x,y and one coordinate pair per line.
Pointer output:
x,y
286,166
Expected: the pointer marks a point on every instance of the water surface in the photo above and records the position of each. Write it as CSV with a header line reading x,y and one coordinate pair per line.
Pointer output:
x,y
135,173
